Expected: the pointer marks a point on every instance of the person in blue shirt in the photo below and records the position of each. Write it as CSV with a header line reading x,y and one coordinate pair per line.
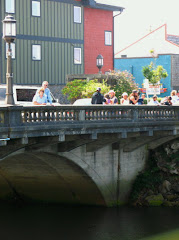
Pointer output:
x,y
47,91
141,100
40,98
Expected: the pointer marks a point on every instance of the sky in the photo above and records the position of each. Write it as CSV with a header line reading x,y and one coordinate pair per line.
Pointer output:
x,y
142,16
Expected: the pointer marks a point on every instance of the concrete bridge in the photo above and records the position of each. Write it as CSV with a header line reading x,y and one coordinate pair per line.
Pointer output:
x,y
79,154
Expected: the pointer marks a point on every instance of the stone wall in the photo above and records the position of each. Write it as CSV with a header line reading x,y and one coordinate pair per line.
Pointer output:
x,y
56,91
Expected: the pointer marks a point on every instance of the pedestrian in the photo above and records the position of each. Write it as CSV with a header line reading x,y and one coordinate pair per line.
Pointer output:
x,y
40,98
113,97
97,97
134,97
108,100
141,100
124,100
174,96
154,101
168,102
46,92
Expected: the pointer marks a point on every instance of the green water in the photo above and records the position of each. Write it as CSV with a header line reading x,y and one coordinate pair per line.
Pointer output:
x,y
88,223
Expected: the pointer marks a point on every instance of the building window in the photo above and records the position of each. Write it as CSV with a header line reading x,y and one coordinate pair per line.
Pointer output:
x,y
10,6
77,55
35,8
77,14
13,49
36,52
108,38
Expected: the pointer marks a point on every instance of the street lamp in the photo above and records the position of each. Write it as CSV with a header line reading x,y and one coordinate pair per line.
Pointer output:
x,y
99,62
9,35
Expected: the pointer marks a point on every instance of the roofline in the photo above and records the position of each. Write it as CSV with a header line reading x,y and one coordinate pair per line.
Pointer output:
x,y
94,4
140,39
164,25
160,54
173,35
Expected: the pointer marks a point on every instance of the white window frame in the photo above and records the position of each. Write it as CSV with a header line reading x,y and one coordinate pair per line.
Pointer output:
x,y
36,13
108,38
77,59
10,6
77,18
13,50
36,56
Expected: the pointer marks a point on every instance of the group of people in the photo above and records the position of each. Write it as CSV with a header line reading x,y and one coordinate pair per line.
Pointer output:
x,y
173,99
42,96
134,98
108,98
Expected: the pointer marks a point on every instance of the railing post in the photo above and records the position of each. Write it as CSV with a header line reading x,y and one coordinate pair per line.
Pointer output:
x,y
82,115
135,114
14,116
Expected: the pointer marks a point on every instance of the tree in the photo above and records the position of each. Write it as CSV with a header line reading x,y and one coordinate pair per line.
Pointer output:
x,y
154,74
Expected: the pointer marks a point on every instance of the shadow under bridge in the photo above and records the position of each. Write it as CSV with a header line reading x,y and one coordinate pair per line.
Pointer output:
x,y
46,177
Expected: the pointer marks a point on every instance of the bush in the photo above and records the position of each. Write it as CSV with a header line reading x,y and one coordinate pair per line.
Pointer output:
x,y
91,87
124,83
79,88
83,89
74,89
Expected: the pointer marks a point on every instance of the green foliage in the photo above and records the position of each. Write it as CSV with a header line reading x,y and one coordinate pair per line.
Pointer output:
x,y
154,74
124,83
91,87
79,88
147,180
74,89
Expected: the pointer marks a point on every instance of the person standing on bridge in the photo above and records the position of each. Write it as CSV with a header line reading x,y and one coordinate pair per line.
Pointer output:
x,y
97,97
40,98
113,98
46,92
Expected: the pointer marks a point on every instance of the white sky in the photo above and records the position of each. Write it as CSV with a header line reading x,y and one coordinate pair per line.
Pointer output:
x,y
141,16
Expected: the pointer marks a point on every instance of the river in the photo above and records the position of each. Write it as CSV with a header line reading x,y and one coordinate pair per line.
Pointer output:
x,y
87,223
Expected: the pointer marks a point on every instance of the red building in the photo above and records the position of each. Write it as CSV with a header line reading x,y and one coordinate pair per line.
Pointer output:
x,y
98,35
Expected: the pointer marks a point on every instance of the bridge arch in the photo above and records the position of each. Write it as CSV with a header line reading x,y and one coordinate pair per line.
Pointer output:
x,y
42,176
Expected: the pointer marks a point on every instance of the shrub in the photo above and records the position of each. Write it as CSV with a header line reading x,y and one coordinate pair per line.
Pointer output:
x,y
91,87
124,83
74,89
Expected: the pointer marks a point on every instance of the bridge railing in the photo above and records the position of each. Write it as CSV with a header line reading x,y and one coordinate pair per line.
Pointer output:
x,y
66,113
18,116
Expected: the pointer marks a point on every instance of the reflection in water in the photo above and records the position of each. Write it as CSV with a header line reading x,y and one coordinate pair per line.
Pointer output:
x,y
84,223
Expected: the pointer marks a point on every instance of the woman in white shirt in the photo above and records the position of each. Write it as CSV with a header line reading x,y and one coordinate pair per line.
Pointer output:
x,y
124,100
174,97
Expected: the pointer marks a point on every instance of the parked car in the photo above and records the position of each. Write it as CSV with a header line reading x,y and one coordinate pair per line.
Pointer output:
x,y
82,102
23,95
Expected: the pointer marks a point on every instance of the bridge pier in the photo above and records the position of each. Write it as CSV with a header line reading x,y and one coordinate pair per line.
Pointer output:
x,y
112,169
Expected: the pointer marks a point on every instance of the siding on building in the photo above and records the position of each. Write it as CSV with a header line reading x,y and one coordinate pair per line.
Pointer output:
x,y
96,22
57,34
134,66
175,72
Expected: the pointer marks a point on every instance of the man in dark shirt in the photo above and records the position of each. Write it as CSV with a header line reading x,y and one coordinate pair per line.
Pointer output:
x,y
97,97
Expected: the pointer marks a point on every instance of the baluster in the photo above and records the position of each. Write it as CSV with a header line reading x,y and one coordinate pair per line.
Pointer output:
x,y
48,113
53,116
30,116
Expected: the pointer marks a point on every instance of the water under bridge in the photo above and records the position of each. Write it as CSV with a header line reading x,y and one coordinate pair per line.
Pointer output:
x,y
79,154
